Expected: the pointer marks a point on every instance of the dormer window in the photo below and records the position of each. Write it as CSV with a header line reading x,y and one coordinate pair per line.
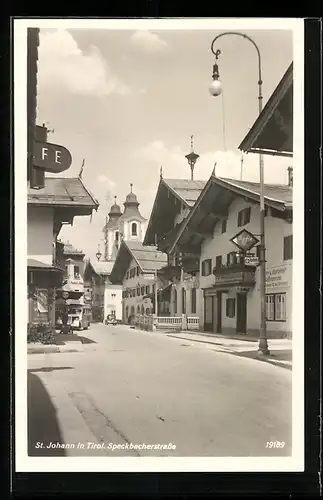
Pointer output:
x,y
134,229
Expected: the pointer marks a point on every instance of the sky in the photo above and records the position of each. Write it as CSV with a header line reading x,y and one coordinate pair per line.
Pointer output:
x,y
127,101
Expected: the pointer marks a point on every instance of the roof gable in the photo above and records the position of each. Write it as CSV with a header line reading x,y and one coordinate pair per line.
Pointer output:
x,y
272,132
149,259
278,197
172,196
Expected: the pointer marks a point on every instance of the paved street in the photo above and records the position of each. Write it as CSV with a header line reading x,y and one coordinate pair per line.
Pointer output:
x,y
129,387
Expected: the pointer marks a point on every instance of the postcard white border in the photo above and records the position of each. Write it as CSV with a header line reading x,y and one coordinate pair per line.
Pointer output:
x,y
295,463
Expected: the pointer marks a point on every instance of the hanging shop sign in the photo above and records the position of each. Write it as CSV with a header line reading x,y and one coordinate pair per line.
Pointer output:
x,y
51,157
244,240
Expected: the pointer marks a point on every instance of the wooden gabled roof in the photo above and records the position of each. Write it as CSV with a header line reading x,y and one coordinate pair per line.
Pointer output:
x,y
272,132
148,258
172,196
62,192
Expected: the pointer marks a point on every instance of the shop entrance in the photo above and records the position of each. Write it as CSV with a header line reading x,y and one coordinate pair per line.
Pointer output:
x,y
241,313
208,313
218,312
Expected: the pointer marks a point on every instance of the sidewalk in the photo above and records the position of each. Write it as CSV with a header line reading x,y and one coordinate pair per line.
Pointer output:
x,y
62,343
280,349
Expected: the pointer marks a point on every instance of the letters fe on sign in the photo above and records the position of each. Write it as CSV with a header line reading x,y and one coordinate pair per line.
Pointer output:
x,y
51,157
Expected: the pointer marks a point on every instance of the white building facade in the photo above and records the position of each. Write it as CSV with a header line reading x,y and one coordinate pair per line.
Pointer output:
x,y
229,284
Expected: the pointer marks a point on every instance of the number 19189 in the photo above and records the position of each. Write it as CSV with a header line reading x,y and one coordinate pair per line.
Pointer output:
x,y
275,444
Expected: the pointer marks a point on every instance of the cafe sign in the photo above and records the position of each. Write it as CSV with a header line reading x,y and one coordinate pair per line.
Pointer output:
x,y
51,157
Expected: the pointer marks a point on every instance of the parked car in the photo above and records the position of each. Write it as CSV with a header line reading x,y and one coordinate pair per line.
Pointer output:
x,y
111,320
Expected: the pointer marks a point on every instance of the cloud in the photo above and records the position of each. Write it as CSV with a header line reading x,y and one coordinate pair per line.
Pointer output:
x,y
148,42
228,164
63,65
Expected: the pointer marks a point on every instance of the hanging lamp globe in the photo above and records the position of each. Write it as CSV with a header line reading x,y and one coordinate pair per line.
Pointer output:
x,y
215,88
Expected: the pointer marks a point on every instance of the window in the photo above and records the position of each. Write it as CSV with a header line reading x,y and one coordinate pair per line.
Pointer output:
x,y
117,235
230,308
154,288
138,291
232,259
288,247
142,310
113,295
206,267
138,270
66,271
218,261
142,290
276,307
193,300
224,226
76,272
134,229
244,216
183,301
147,290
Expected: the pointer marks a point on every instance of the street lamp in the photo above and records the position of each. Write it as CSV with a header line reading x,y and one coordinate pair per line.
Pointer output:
x,y
98,254
215,90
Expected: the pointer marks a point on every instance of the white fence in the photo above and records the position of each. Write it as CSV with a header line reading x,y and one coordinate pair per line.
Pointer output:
x,y
182,322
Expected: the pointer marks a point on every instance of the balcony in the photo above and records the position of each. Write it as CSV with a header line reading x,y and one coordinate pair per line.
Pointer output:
x,y
190,263
235,275
170,272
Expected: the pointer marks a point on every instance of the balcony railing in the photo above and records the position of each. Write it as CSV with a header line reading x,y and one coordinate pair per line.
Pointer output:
x,y
235,275
230,268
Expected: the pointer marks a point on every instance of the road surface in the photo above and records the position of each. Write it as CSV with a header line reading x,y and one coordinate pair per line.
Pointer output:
x,y
134,393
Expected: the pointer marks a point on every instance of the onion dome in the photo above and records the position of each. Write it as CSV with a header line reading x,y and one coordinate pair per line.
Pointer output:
x,y
115,210
131,199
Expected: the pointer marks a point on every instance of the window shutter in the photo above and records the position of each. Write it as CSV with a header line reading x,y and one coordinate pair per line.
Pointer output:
x,y
239,218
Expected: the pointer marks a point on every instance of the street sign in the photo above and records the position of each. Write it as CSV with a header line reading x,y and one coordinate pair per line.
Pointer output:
x,y
244,240
251,260
51,157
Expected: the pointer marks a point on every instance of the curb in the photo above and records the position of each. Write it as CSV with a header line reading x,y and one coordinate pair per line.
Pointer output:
x,y
223,349
51,349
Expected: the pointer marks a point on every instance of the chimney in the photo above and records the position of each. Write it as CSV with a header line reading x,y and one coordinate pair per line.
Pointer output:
x,y
290,176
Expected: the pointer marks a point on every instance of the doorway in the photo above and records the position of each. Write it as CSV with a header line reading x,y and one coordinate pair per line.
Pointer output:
x,y
218,317
241,313
208,313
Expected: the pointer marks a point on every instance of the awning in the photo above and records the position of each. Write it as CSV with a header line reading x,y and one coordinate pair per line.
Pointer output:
x,y
272,132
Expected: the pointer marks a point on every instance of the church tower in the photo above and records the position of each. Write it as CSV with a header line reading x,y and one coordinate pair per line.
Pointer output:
x,y
111,231
132,224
